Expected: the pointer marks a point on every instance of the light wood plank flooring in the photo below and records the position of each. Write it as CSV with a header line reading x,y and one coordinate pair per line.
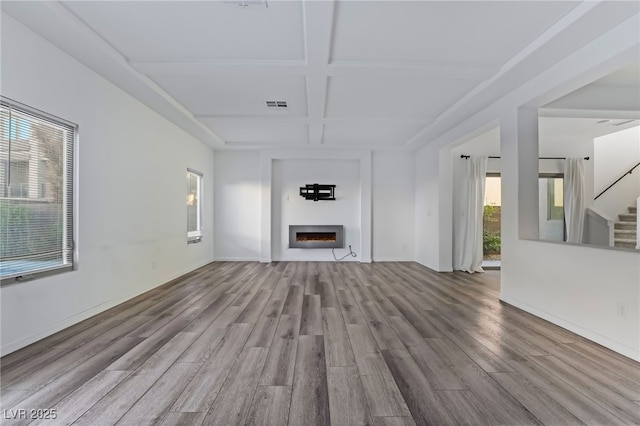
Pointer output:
x,y
320,344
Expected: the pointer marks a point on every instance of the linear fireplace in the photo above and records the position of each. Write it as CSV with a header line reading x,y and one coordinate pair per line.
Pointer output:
x,y
316,236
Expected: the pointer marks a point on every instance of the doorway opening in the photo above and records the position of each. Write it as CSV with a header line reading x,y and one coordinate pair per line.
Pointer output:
x,y
551,224
491,222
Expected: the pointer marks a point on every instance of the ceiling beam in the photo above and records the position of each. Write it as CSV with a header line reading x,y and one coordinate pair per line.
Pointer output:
x,y
318,28
464,71
63,28
257,118
221,67
325,120
588,113
583,24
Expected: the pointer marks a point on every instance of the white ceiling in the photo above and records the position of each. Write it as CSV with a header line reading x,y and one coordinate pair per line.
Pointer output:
x,y
616,95
189,31
605,106
554,133
376,74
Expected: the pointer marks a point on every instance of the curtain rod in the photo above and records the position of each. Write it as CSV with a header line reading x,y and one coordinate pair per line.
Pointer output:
x,y
466,157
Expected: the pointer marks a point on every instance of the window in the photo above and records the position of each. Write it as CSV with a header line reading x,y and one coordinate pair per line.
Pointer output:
x,y
194,206
491,220
36,192
551,203
555,198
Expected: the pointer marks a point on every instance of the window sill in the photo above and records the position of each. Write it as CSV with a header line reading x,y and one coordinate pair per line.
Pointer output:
x,y
194,240
29,276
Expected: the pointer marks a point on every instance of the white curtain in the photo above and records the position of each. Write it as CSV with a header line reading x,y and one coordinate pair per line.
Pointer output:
x,y
574,198
469,254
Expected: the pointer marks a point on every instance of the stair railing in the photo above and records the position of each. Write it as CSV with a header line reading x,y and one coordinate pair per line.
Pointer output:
x,y
628,172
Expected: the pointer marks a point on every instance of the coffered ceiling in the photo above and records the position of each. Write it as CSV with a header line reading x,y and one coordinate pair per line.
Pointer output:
x,y
379,74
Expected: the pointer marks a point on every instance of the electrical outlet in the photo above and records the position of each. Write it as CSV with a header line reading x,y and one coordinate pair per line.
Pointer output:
x,y
622,310
153,264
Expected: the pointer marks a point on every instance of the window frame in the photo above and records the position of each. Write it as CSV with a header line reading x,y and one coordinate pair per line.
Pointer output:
x,y
197,235
69,194
551,213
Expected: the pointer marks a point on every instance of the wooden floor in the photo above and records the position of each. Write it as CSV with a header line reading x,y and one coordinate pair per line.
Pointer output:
x,y
319,344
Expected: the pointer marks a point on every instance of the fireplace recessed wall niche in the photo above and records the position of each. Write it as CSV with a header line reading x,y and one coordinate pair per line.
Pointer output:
x,y
316,236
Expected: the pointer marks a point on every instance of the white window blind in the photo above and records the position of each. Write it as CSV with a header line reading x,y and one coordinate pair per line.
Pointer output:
x,y
36,192
194,206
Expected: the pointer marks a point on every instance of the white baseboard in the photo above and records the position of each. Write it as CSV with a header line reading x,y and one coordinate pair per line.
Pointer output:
x,y
633,353
238,259
434,268
391,259
295,259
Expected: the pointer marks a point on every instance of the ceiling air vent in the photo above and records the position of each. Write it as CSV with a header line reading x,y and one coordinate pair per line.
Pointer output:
x,y
247,3
276,104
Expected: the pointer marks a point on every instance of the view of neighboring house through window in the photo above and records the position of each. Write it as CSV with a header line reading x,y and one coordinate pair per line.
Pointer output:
x,y
36,184
194,206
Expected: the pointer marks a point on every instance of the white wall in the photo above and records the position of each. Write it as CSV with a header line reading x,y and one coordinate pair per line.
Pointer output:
x,y
131,192
555,140
238,209
289,208
237,205
576,287
393,206
615,154
598,230
433,205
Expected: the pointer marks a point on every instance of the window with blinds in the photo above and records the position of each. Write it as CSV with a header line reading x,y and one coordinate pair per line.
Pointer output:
x,y
194,206
36,192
